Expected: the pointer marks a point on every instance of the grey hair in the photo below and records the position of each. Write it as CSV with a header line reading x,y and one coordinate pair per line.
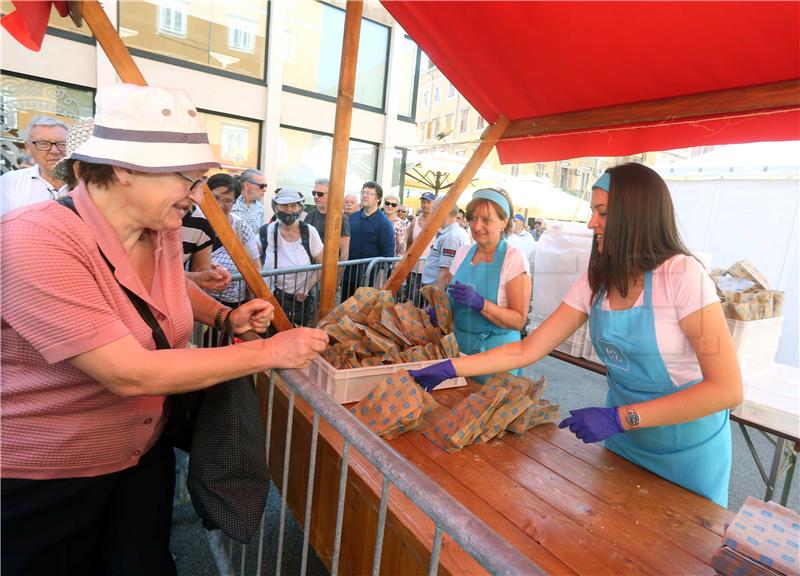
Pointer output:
x,y
438,202
353,194
249,173
322,181
42,121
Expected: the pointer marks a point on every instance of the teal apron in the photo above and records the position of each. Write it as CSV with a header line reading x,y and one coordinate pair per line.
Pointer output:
x,y
475,333
696,454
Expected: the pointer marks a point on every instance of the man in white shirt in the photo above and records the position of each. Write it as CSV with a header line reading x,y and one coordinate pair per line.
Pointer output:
x,y
448,240
46,142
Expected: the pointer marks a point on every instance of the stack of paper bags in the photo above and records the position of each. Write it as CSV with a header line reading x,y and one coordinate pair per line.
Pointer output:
x,y
370,329
746,294
504,403
764,538
396,405
438,299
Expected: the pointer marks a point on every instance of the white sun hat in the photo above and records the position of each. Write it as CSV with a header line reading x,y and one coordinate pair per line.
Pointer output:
x,y
147,129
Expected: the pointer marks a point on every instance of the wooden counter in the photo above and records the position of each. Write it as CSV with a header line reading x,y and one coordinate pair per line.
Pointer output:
x,y
572,508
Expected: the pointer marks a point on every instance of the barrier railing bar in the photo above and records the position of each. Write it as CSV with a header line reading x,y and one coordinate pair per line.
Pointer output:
x,y
337,538
312,463
376,562
433,567
262,529
285,481
260,556
472,534
244,557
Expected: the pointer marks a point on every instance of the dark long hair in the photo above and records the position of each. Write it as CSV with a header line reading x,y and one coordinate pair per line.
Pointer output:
x,y
640,233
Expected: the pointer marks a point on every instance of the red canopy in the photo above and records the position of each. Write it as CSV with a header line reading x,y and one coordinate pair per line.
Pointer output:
x,y
527,60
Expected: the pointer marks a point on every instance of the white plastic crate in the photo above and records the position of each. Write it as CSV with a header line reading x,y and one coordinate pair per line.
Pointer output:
x,y
756,342
353,384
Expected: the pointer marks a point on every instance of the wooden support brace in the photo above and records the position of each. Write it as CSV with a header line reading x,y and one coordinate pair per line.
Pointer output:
x,y
341,146
488,141
777,96
129,72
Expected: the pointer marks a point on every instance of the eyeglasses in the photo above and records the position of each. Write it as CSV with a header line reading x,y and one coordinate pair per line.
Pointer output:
x,y
262,186
46,145
195,183
317,193
223,200
390,204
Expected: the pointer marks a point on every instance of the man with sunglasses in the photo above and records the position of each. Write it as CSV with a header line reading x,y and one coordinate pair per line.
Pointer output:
x,y
249,206
46,142
316,217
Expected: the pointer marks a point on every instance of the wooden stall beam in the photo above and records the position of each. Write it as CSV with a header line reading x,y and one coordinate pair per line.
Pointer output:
x,y
129,72
341,145
488,141
776,96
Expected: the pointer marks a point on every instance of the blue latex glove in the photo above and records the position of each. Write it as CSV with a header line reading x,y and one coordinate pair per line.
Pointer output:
x,y
593,424
466,295
432,315
431,376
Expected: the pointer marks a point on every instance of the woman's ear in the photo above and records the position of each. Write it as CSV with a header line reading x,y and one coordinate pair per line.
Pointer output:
x,y
124,176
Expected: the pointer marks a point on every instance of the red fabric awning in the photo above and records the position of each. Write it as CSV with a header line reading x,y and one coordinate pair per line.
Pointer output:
x,y
533,59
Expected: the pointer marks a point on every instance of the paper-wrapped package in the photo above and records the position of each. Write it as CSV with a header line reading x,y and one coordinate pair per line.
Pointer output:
x,y
396,405
437,297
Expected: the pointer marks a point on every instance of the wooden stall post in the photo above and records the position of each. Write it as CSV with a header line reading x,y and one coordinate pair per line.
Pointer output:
x,y
492,134
129,72
341,145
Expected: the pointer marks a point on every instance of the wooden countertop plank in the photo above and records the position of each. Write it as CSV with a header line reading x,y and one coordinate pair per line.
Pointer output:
x,y
623,495
410,449
700,510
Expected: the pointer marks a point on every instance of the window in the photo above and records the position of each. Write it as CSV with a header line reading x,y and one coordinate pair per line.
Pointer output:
x,y
241,34
235,141
541,170
435,128
451,91
462,121
314,64
422,126
437,94
409,78
426,98
172,17
480,123
224,36
306,156
514,170
563,178
448,123
429,131
23,98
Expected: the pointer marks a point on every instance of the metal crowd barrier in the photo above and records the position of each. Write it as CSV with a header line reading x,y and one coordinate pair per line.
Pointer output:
x,y
352,274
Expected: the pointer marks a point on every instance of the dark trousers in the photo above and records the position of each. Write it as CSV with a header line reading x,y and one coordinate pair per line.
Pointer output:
x,y
115,524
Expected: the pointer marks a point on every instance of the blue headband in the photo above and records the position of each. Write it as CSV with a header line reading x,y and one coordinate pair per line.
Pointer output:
x,y
494,196
604,182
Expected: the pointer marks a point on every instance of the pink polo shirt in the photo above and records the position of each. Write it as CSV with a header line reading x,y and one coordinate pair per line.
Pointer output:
x,y
60,299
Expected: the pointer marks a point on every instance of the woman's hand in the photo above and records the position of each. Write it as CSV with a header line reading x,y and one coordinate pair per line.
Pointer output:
x,y
431,310
214,279
253,315
295,348
593,424
466,295
431,376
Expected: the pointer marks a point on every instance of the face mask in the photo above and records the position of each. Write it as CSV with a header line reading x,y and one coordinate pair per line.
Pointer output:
x,y
288,218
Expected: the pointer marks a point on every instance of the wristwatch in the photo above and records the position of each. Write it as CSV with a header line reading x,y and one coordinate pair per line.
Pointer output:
x,y
632,417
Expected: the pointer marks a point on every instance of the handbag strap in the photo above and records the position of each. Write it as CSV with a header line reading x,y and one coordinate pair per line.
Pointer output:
x,y
161,340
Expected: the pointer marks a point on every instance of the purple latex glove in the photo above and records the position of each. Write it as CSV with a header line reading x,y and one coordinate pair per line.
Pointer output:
x,y
466,295
432,315
431,376
593,424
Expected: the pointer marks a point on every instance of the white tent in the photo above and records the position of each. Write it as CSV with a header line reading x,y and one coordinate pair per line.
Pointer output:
x,y
743,201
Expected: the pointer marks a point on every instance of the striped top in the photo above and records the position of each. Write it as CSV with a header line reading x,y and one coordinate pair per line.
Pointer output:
x,y
60,299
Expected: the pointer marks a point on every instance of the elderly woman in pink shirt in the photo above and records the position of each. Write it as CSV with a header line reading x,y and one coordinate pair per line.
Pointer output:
x,y
86,479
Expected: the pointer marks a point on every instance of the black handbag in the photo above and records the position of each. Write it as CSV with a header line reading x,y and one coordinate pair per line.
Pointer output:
x,y
228,478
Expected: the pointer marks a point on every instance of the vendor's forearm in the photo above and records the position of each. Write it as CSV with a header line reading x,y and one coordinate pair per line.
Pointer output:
x,y
692,403
502,316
